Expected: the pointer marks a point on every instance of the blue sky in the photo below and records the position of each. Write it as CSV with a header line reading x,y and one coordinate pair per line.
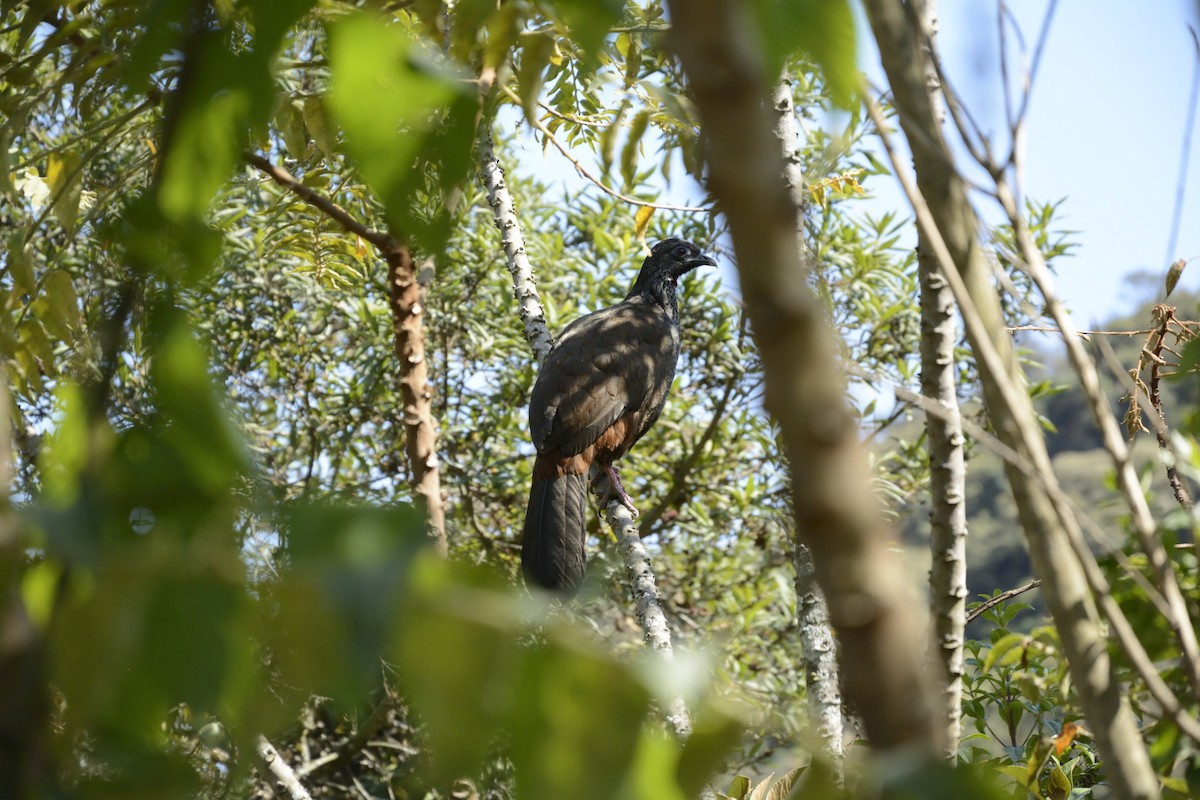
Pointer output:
x,y
1106,125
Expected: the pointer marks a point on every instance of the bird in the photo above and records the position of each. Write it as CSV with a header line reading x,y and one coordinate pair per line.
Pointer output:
x,y
602,385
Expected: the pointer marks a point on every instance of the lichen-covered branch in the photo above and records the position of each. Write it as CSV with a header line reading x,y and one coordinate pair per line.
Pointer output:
x,y
824,692
870,603
947,465
647,606
529,302
280,769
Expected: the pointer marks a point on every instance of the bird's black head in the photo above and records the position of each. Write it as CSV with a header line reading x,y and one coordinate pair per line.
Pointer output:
x,y
676,257
668,261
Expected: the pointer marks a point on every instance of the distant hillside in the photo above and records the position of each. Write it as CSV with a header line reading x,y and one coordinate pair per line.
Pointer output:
x,y
996,553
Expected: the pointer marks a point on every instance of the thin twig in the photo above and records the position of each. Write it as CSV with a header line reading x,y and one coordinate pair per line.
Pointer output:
x,y
1053,329
583,171
319,201
1003,597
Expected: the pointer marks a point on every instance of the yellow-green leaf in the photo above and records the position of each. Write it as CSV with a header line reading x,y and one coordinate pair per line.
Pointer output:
x,y
1005,651
629,153
536,52
36,343
641,221
63,174
1173,275
290,121
1060,785
59,292
318,125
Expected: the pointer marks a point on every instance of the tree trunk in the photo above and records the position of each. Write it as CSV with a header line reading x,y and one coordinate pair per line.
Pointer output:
x,y
947,469
407,296
836,514
812,614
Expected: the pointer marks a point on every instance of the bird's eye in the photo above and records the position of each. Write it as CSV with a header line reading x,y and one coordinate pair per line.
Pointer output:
x,y
681,251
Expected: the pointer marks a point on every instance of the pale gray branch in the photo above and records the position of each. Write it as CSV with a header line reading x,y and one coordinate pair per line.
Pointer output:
x,y
280,769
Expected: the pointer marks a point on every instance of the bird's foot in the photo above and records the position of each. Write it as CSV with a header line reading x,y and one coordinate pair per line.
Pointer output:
x,y
615,489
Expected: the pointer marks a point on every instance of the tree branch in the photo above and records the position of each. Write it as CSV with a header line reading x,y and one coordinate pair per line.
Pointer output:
x,y
504,212
280,769
946,217
318,201
824,692
1003,597
656,632
406,296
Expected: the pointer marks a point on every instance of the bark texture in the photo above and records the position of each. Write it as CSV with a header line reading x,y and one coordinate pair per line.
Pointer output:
x,y
947,467
648,606
812,613
529,302
1064,587
869,603
407,296
407,301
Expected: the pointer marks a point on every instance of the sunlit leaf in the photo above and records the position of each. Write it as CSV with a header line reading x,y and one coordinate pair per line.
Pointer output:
x,y
65,176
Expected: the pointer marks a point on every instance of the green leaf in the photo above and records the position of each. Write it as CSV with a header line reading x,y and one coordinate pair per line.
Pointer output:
x,y
739,787
313,116
589,22
1006,651
651,775
406,113
1059,785
64,174
824,30
200,435
20,263
576,717
289,119
59,292
715,732
629,153
536,50
339,597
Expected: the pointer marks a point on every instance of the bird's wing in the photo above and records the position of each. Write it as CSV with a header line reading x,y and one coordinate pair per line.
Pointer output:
x,y
603,366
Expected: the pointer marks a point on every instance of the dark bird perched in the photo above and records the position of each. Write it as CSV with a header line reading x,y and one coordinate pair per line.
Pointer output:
x,y
602,386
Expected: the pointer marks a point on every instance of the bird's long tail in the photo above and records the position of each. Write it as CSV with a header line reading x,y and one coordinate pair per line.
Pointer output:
x,y
552,552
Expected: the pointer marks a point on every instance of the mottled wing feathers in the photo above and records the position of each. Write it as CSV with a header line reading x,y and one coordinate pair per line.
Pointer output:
x,y
606,365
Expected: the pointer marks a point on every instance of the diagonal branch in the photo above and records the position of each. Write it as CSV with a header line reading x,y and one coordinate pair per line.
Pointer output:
x,y
406,296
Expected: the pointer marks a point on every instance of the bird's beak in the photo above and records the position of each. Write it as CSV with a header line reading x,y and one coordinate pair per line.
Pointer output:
x,y
701,261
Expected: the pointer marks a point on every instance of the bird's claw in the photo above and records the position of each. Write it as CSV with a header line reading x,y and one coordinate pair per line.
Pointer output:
x,y
615,489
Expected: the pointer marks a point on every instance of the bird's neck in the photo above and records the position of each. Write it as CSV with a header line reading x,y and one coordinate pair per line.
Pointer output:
x,y
660,292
